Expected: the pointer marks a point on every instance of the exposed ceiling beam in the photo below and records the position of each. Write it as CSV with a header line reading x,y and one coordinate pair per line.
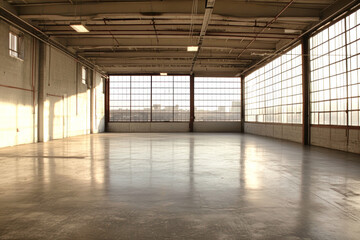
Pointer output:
x,y
152,35
318,3
24,26
168,54
138,47
175,19
238,36
331,12
179,27
207,17
159,8
94,42
175,67
6,6
269,24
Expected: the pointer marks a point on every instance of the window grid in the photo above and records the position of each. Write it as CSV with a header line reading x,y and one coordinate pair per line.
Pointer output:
x,y
353,67
120,103
181,98
335,63
131,98
273,93
162,98
217,99
140,99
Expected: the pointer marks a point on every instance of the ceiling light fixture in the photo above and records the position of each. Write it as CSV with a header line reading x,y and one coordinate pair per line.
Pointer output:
x,y
292,31
79,27
163,74
192,48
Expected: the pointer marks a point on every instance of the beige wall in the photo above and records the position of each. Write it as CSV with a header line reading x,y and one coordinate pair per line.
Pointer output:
x,y
148,127
174,127
336,138
60,104
18,110
217,126
281,131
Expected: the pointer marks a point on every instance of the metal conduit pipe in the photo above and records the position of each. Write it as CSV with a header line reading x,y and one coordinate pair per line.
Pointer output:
x,y
267,25
7,15
209,5
352,4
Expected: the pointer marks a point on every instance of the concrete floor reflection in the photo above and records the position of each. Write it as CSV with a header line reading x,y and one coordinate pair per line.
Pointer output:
x,y
178,186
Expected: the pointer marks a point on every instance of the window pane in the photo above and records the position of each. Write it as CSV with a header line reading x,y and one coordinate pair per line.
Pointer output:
x,y
13,45
140,98
119,98
273,93
181,98
146,98
217,99
334,78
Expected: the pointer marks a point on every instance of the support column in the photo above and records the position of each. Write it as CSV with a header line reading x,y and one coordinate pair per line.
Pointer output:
x,y
242,103
92,100
43,79
306,89
107,102
192,105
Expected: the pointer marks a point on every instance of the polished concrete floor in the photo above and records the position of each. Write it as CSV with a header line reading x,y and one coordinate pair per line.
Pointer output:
x,y
178,186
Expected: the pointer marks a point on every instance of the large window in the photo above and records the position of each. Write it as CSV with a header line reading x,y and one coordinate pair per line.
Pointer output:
x,y
353,48
217,99
149,98
273,93
170,98
335,64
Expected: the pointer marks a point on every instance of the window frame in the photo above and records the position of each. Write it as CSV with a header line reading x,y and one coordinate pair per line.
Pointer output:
x,y
151,94
348,87
16,47
84,75
269,89
214,99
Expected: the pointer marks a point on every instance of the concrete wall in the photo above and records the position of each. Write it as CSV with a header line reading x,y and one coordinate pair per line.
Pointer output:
x,y
41,95
148,127
99,104
174,127
281,131
18,78
67,100
336,138
217,126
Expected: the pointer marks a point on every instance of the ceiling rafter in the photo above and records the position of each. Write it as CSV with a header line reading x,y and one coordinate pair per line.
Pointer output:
x,y
233,35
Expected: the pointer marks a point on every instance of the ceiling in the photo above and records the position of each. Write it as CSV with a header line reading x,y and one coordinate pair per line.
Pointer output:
x,y
136,36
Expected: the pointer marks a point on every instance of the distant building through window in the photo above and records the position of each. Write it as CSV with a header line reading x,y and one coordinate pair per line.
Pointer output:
x,y
149,98
217,99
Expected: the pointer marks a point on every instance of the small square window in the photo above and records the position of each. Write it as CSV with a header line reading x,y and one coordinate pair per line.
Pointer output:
x,y
14,45
83,75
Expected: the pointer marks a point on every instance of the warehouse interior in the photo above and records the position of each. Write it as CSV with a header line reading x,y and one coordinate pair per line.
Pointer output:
x,y
193,119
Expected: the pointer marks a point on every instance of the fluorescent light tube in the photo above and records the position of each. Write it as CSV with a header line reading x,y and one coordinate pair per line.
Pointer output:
x,y
192,48
79,28
292,31
163,74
